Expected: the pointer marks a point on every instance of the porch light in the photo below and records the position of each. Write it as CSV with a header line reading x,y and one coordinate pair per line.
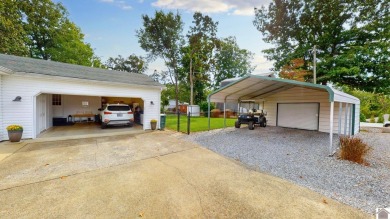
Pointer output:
x,y
17,99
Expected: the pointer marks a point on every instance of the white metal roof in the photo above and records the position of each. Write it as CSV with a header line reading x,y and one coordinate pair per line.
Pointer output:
x,y
260,87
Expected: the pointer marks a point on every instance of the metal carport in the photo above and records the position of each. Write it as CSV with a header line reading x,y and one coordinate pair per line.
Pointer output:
x,y
254,87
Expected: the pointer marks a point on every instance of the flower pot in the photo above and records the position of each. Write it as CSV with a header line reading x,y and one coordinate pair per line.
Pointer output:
x,y
153,125
15,136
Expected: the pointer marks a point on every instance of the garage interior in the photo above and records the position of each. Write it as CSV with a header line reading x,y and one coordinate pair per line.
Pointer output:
x,y
294,104
62,114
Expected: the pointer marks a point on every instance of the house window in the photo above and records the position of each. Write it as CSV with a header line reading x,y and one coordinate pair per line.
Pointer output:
x,y
56,100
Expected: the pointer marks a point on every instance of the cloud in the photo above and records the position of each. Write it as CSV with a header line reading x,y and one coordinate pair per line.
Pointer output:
x,y
119,3
235,7
262,64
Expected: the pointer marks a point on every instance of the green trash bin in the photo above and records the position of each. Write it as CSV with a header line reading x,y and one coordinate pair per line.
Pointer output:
x,y
163,118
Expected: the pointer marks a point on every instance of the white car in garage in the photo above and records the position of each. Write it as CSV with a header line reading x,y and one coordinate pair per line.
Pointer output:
x,y
116,114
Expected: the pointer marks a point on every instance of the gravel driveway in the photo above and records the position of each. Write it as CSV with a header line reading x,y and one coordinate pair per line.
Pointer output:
x,y
301,157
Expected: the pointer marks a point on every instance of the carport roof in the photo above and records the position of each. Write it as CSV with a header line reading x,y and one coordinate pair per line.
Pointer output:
x,y
15,64
260,87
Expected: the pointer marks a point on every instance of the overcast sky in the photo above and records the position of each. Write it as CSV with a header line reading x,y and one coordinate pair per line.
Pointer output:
x,y
110,25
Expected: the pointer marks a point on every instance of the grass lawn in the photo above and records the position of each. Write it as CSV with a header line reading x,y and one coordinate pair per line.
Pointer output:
x,y
197,123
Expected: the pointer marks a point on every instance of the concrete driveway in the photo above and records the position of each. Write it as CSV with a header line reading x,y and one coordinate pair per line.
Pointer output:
x,y
151,175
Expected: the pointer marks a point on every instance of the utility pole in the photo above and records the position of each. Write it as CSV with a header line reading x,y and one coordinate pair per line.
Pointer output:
x,y
314,65
191,83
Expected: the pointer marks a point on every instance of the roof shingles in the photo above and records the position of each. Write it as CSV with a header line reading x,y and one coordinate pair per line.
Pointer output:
x,y
51,68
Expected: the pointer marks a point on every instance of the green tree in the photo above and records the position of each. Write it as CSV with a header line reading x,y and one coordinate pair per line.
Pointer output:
x,y
230,61
51,35
161,37
133,63
161,77
43,21
198,54
352,38
12,34
371,103
68,46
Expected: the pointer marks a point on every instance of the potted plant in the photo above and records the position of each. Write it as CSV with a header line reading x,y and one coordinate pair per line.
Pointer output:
x,y
153,124
15,132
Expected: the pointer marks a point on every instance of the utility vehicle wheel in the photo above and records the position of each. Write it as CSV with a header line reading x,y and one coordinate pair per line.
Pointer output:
x,y
103,125
263,122
237,124
387,125
251,126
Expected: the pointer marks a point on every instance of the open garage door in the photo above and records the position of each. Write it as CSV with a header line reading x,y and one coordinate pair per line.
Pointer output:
x,y
298,115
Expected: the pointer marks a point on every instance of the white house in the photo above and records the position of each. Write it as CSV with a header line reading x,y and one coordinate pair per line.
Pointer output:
x,y
34,91
295,104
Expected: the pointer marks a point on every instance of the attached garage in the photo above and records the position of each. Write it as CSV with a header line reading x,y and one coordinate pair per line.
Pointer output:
x,y
50,90
294,104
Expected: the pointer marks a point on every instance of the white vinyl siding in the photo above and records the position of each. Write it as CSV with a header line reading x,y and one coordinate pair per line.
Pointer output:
x,y
357,118
298,115
28,87
2,127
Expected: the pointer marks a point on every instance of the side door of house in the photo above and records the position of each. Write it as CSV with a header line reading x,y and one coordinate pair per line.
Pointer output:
x,y
41,113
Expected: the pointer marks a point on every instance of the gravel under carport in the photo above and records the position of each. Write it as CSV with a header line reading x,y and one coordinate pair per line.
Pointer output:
x,y
301,157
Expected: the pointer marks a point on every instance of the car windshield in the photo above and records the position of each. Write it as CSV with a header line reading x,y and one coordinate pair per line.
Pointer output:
x,y
118,108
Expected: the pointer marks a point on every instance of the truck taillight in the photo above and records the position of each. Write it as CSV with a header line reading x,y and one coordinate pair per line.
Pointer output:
x,y
129,112
107,113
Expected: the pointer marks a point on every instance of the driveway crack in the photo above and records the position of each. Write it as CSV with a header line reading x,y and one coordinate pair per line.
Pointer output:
x,y
188,182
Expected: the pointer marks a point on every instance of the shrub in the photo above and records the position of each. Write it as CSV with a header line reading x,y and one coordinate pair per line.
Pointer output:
x,y
372,119
362,117
353,149
204,107
215,113
381,119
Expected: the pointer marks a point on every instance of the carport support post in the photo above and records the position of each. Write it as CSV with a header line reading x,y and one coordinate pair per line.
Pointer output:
x,y
346,119
224,114
331,128
350,120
